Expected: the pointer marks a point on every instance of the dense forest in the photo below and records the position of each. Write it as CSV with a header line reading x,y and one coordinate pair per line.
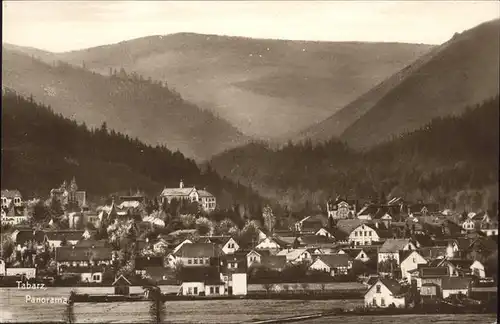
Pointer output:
x,y
452,161
41,149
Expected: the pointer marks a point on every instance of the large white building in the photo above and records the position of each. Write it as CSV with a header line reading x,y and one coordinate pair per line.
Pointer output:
x,y
204,198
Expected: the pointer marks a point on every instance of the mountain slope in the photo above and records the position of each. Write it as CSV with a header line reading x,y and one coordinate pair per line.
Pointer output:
x,y
460,73
256,84
40,149
129,104
448,158
432,86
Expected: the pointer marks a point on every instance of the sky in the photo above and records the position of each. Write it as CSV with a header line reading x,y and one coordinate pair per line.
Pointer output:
x,y
60,26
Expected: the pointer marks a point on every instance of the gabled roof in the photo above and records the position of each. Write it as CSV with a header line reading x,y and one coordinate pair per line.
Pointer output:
x,y
10,193
403,255
198,250
353,253
273,261
207,275
204,193
121,280
393,245
260,252
157,273
348,225
455,283
335,260
72,253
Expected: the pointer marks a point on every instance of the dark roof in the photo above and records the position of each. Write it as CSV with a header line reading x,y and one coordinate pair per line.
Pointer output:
x,y
433,252
335,260
352,252
72,253
404,254
273,261
208,275
261,252
393,285
198,250
348,225
338,234
60,235
10,193
456,283
424,240
280,241
157,273
431,272
462,264
141,263
393,245
29,235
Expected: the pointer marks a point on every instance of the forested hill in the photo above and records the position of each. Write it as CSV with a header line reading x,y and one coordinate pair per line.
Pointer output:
x,y
129,103
40,149
452,160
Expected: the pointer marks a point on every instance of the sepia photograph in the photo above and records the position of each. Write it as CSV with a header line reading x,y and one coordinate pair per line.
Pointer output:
x,y
229,162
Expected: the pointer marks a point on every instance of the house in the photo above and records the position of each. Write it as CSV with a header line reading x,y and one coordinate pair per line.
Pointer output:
x,y
296,255
434,252
196,254
425,274
269,243
410,261
88,274
324,232
14,215
456,286
363,255
201,281
364,234
55,238
69,194
391,248
206,200
71,256
255,257
25,237
144,262
341,208
227,244
459,267
311,224
384,293
158,274
335,264
28,273
234,273
122,286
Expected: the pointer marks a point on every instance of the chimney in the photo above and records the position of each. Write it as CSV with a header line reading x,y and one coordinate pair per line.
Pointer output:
x,y
181,184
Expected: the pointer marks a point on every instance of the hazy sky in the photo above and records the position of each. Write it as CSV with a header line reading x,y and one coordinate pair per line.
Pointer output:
x,y
70,25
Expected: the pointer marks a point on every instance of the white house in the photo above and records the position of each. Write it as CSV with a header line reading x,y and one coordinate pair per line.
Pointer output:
x,y
239,281
2,267
201,282
336,264
410,261
385,292
364,235
206,200
87,274
268,244
468,224
296,255
391,248
28,272
324,232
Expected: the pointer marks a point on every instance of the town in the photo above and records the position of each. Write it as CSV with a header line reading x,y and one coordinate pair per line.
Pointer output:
x,y
404,253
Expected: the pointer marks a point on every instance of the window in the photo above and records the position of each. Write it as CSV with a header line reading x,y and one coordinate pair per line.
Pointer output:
x,y
211,290
378,289
201,260
96,277
190,291
195,261
189,261
355,233
369,233
217,290
374,302
195,289
207,260
382,301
